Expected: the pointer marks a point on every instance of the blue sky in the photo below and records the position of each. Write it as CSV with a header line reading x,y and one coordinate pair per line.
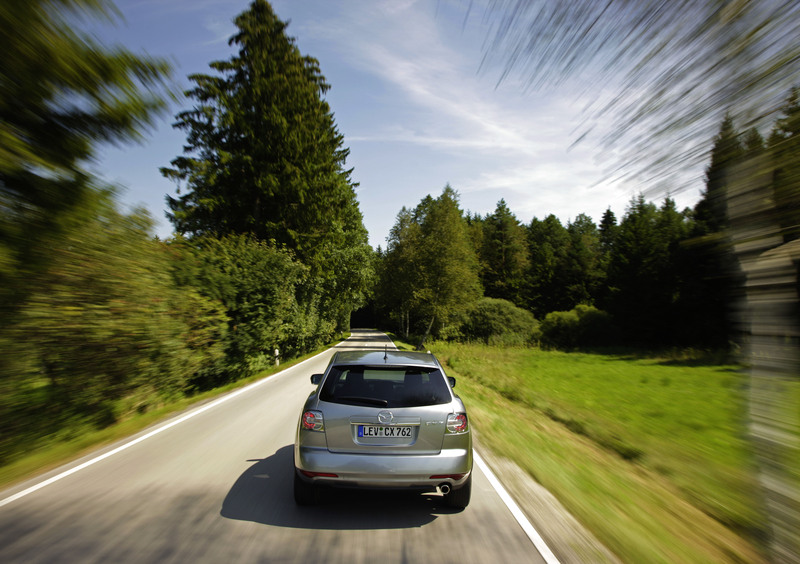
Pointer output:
x,y
409,95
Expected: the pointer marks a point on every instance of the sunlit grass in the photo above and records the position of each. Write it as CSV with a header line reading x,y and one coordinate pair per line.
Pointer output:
x,y
650,454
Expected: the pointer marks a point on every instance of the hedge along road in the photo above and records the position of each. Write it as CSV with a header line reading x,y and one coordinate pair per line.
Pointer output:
x,y
215,485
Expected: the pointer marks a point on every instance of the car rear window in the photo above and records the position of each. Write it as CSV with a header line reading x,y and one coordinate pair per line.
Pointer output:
x,y
385,386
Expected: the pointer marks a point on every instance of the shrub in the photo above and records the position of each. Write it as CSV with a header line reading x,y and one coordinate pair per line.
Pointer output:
x,y
495,321
256,283
582,326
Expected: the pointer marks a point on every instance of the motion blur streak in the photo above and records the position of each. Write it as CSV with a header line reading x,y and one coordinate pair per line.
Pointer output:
x,y
665,72
769,316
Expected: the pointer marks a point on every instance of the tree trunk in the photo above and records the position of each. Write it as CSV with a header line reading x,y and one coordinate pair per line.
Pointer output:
x,y
421,345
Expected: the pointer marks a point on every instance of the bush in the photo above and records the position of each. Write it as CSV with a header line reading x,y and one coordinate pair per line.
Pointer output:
x,y
499,322
583,326
101,330
256,283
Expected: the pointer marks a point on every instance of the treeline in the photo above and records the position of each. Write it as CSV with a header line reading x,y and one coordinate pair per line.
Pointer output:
x,y
657,277
101,320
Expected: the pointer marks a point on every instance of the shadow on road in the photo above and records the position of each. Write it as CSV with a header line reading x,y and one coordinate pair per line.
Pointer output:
x,y
263,494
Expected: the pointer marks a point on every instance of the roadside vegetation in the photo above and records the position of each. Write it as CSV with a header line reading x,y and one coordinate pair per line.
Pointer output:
x,y
650,453
73,441
102,322
106,328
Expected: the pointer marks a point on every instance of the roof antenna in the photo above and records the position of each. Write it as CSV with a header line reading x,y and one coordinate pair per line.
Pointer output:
x,y
385,352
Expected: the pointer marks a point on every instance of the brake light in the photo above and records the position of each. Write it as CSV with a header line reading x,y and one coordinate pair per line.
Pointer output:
x,y
312,421
457,423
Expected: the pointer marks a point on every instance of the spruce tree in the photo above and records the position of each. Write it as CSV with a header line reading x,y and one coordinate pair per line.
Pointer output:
x,y
548,241
504,255
710,212
263,153
264,157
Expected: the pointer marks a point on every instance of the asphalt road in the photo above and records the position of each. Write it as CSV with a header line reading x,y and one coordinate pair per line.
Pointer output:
x,y
215,485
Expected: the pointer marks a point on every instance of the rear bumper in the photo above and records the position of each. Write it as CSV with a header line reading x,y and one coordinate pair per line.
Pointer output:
x,y
384,471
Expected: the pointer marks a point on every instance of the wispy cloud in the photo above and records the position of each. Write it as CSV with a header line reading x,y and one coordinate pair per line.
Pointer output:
x,y
458,108
221,29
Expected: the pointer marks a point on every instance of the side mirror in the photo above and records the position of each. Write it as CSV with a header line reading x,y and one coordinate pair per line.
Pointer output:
x,y
316,379
452,381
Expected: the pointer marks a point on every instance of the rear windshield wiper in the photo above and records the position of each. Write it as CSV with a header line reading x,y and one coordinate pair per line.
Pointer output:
x,y
369,401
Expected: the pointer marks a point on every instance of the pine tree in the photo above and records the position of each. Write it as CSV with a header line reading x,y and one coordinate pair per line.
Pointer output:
x,y
710,277
504,255
398,269
263,153
583,273
634,272
548,241
710,213
264,157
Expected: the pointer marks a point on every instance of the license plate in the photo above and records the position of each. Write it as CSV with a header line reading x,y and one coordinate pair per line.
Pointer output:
x,y
383,432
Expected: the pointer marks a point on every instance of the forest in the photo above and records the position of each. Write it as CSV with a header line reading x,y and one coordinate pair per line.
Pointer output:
x,y
658,277
102,320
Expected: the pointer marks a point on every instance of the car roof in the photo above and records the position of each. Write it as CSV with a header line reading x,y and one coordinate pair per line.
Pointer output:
x,y
381,357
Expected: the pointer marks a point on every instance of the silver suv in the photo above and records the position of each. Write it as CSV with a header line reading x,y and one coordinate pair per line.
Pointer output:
x,y
384,419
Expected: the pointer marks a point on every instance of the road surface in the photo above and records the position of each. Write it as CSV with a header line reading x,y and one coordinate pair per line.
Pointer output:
x,y
215,485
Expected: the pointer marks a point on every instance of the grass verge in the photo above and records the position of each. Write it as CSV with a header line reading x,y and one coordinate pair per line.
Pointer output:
x,y
649,454
70,444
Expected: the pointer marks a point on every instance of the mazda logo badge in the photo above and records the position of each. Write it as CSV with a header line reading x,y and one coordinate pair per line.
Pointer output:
x,y
385,417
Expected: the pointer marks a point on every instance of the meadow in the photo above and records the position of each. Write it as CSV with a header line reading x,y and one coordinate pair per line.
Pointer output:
x,y
650,454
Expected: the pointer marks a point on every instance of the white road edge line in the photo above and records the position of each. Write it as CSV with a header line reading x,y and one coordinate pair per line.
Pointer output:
x,y
152,433
536,539
518,514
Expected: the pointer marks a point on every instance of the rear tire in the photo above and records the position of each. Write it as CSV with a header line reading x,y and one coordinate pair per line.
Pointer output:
x,y
460,498
304,493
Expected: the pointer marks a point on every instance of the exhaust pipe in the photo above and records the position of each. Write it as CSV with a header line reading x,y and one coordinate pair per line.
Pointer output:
x,y
444,488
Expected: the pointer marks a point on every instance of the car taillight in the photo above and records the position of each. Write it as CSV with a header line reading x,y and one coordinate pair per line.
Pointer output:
x,y
312,420
457,423
309,474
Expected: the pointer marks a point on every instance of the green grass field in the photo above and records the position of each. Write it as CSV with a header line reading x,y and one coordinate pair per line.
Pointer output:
x,y
650,454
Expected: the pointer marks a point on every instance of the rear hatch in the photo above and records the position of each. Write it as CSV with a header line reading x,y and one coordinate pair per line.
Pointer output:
x,y
385,410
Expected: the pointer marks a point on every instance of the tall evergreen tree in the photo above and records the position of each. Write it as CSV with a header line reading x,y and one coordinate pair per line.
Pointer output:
x,y
504,255
711,274
710,213
608,231
753,143
398,269
583,272
548,241
449,266
264,156
634,273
